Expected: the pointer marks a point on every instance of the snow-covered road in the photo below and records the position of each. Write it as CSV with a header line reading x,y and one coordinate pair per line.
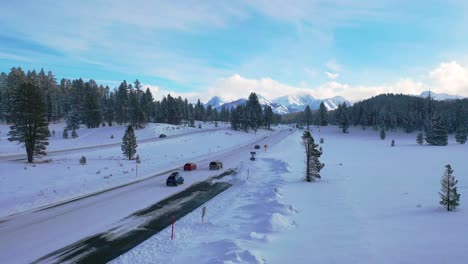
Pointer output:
x,y
29,235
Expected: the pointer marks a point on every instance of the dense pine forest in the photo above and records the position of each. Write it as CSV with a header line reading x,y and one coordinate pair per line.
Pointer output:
x,y
80,102
391,112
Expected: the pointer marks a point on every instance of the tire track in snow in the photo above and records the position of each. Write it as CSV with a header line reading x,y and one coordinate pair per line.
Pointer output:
x,y
106,246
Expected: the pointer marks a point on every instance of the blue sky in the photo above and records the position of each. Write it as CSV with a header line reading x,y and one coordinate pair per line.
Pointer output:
x,y
201,48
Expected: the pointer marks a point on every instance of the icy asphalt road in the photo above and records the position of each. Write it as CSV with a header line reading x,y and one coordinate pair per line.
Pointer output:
x,y
30,235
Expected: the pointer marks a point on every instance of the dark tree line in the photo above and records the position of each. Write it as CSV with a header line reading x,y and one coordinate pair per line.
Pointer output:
x,y
410,113
251,115
80,102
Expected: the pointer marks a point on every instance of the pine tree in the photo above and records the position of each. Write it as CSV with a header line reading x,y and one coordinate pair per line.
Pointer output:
x,y
382,133
323,115
29,119
419,138
344,124
148,106
268,117
129,143
437,133
313,165
91,108
342,117
307,116
121,104
253,112
109,108
448,192
461,135
73,120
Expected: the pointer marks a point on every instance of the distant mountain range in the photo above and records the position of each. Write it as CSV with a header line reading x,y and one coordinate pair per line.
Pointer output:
x,y
440,96
284,104
298,102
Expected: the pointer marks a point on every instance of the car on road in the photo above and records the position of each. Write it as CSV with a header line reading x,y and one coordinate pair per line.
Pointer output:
x,y
189,166
216,165
174,179
257,147
162,136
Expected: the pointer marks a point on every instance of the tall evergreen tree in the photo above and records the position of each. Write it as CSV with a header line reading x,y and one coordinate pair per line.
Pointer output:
x,y
148,105
199,111
15,79
109,108
3,89
460,119
129,143
235,118
313,165
461,135
449,197
307,116
253,112
268,116
121,104
173,115
209,113
91,110
437,133
73,120
322,113
382,133
29,119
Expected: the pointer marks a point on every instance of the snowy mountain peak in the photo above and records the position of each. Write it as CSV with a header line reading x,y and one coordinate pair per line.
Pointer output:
x,y
215,102
287,103
440,96
298,102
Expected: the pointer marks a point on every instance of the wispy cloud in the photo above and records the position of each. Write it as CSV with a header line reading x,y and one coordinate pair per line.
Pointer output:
x,y
191,46
9,56
333,65
332,75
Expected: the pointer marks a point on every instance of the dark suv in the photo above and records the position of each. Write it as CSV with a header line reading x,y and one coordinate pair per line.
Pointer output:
x,y
162,136
174,179
216,165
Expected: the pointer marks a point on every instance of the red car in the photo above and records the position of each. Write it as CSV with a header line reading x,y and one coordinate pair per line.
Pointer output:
x,y
190,166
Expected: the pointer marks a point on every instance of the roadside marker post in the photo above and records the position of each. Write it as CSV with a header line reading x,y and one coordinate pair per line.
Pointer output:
x,y
173,221
253,155
203,214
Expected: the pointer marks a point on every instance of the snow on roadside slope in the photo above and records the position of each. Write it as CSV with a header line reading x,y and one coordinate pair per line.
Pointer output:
x,y
24,186
95,136
375,204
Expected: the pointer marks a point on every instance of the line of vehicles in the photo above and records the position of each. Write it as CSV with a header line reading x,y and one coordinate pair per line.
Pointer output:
x,y
175,179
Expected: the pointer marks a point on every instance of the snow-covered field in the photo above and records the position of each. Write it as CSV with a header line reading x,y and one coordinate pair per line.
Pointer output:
x,y
96,136
374,204
60,176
